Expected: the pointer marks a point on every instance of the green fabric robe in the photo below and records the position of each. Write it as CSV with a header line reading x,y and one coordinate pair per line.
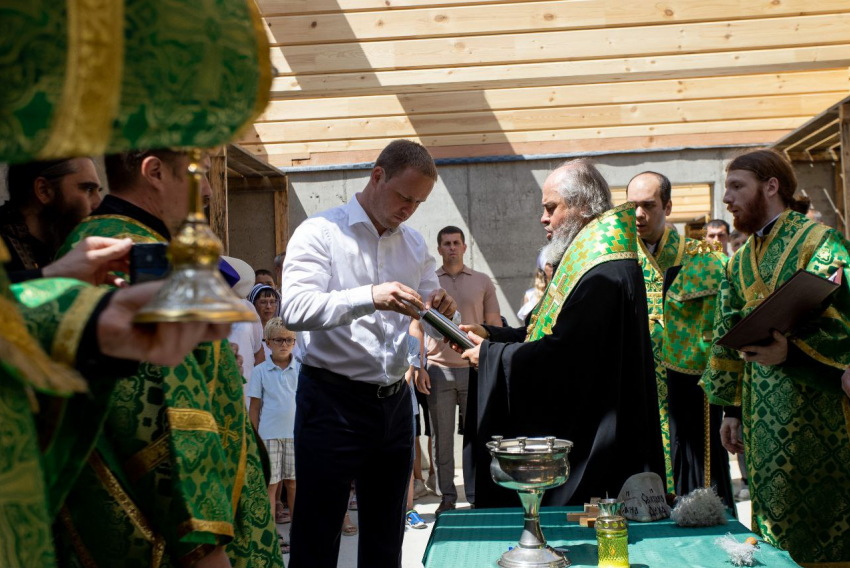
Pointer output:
x,y
796,417
37,318
177,470
681,327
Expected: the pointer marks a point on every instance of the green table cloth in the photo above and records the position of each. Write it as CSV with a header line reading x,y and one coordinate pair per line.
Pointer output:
x,y
476,538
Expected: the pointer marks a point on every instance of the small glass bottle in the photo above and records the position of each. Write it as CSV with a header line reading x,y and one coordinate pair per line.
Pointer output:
x,y
612,535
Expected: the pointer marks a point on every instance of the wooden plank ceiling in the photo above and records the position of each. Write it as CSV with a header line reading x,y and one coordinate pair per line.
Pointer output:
x,y
484,77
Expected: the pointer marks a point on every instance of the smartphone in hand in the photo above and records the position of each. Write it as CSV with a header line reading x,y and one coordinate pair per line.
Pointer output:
x,y
149,262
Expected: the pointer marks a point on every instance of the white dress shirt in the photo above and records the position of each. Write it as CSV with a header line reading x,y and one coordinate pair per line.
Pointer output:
x,y
332,261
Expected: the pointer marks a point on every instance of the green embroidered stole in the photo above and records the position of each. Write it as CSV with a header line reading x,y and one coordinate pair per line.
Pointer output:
x,y
612,236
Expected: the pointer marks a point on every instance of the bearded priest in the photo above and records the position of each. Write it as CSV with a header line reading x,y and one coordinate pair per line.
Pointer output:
x,y
583,369
788,394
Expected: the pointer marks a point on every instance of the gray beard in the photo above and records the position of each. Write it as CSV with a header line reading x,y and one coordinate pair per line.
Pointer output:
x,y
562,238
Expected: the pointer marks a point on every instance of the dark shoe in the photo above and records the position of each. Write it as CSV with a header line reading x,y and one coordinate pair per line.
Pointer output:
x,y
445,505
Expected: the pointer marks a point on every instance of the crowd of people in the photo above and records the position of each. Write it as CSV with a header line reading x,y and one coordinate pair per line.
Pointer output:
x,y
170,444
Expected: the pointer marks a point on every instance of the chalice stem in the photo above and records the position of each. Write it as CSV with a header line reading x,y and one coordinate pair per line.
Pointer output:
x,y
532,536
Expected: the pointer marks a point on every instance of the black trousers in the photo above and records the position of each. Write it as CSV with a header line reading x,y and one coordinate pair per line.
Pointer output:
x,y
687,438
342,434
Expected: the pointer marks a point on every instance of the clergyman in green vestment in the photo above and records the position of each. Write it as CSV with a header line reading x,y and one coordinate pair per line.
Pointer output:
x,y
796,418
682,278
50,329
177,473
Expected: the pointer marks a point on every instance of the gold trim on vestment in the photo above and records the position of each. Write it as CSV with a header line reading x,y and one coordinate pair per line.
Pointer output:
x,y
774,278
569,286
191,419
130,221
82,121
192,557
20,350
147,459
845,405
5,256
650,257
815,355
80,548
201,525
113,487
66,342
813,239
264,83
682,369
239,482
726,365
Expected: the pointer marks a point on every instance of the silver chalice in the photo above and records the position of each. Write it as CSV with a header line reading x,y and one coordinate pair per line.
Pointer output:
x,y
531,466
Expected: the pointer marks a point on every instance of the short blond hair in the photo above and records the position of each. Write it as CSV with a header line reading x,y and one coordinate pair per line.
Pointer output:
x,y
274,325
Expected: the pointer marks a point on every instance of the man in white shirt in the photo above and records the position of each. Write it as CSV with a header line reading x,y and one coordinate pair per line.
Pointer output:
x,y
352,279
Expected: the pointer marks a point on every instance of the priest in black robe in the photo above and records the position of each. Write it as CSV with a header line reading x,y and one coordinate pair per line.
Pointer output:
x,y
583,368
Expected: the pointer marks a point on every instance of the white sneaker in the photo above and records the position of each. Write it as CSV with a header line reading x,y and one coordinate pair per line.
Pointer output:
x,y
419,489
744,494
431,483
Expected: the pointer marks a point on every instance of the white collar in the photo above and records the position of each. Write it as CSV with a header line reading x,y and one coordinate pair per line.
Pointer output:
x,y
356,214
760,232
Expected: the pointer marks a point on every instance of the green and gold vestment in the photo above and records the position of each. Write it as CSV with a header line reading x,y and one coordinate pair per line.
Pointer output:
x,y
611,236
796,417
37,318
177,470
681,324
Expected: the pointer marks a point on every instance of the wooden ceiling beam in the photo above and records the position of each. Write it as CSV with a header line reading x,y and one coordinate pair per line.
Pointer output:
x,y
639,41
766,84
566,72
309,150
507,18
693,135
298,7
500,122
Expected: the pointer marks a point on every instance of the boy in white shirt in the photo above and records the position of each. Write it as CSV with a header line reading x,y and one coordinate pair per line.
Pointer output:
x,y
272,392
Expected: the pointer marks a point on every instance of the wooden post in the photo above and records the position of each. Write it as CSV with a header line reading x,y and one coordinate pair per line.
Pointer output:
x,y
844,125
281,213
218,199
838,195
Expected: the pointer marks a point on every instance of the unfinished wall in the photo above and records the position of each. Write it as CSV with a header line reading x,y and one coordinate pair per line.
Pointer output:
x,y
498,205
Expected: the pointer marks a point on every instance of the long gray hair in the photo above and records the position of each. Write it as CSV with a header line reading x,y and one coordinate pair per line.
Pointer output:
x,y
584,188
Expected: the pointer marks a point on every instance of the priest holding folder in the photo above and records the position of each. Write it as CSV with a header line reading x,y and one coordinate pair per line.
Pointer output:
x,y
789,392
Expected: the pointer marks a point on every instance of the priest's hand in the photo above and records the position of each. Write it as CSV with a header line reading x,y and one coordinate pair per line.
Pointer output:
x,y
442,302
163,344
845,382
422,381
396,297
471,355
729,435
92,261
774,354
478,330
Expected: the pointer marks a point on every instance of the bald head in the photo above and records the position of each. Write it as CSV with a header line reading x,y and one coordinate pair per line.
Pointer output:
x,y
650,191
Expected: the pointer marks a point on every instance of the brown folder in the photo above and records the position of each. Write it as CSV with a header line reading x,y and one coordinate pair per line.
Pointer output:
x,y
800,296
